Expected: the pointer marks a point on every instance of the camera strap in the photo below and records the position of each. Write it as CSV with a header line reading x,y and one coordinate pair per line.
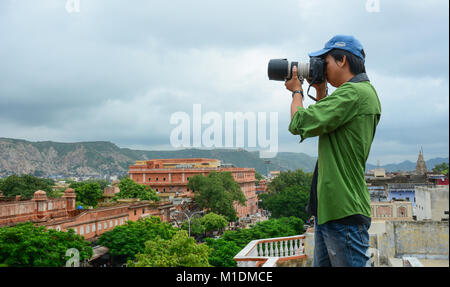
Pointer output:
x,y
307,92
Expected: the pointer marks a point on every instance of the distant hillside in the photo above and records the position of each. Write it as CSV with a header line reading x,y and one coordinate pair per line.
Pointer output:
x,y
105,158
409,166
100,159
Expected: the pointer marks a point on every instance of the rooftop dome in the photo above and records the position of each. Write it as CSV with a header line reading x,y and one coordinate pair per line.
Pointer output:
x,y
40,194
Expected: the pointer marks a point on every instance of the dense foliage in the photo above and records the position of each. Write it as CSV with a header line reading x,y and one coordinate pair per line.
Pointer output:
x,y
131,189
178,251
209,222
216,193
129,239
223,252
441,168
288,195
88,193
29,245
25,185
225,248
258,177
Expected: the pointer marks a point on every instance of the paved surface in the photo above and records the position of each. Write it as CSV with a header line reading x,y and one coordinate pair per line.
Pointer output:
x,y
434,263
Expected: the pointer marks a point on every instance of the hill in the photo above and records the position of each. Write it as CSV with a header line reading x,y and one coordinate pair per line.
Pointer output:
x,y
101,158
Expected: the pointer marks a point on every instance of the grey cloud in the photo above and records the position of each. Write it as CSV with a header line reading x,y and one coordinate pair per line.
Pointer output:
x,y
62,71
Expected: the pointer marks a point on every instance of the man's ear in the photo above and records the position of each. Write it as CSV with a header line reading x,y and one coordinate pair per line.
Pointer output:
x,y
342,63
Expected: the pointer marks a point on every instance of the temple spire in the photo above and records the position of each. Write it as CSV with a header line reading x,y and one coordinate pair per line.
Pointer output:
x,y
421,167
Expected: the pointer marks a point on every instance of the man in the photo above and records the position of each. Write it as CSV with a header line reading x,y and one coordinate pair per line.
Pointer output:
x,y
345,122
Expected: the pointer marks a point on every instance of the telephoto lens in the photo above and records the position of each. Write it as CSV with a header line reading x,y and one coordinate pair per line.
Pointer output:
x,y
281,69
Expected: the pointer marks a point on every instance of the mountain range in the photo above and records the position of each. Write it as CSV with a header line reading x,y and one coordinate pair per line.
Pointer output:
x,y
101,158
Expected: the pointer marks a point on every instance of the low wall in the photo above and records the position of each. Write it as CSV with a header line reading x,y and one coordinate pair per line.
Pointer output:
x,y
421,239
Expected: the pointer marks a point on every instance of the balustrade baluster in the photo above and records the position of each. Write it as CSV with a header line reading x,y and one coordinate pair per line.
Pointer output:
x,y
271,249
295,247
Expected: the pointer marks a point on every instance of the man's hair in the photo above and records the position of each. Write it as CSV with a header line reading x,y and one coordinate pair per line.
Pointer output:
x,y
356,63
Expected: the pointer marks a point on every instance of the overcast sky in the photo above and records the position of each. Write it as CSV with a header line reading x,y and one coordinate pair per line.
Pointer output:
x,y
117,70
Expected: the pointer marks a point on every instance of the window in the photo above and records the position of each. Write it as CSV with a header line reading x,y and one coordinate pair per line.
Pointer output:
x,y
81,230
164,190
93,227
117,222
121,221
111,224
156,179
164,179
88,229
143,210
149,179
99,226
105,225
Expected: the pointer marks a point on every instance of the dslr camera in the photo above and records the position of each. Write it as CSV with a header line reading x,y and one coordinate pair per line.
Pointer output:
x,y
281,70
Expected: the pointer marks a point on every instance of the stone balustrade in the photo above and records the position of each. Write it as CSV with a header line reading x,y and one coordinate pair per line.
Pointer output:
x,y
271,251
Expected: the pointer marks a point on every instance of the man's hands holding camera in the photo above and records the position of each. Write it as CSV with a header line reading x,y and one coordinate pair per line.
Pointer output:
x,y
294,84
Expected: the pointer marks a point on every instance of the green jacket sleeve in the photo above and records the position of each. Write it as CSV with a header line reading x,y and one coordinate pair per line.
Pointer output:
x,y
326,115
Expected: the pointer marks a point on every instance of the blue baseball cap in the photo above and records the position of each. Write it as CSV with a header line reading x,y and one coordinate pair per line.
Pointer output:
x,y
343,42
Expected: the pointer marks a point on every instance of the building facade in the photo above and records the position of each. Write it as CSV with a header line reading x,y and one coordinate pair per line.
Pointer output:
x,y
61,214
393,210
432,203
170,177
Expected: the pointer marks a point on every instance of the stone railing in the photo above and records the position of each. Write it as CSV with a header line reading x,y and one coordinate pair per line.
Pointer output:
x,y
270,252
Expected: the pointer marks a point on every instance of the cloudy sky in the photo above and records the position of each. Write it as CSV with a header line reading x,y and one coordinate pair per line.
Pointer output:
x,y
117,70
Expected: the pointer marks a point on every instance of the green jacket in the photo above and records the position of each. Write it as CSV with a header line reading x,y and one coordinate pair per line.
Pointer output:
x,y
345,122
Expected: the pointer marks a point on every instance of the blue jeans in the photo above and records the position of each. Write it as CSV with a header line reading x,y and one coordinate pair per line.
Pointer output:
x,y
341,245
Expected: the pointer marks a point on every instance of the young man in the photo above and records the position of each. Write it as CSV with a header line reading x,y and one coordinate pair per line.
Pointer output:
x,y
345,122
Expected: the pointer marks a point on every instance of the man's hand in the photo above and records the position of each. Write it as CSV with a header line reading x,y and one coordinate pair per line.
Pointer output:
x,y
294,83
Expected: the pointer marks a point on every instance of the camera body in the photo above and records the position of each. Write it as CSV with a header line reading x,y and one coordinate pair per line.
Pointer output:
x,y
281,70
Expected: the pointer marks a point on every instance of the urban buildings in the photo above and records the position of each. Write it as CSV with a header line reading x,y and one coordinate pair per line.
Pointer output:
x,y
170,177
61,213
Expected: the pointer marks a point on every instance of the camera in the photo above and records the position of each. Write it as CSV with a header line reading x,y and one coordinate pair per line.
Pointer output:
x,y
281,70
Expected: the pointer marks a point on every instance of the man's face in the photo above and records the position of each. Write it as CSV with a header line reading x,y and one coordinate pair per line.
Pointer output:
x,y
333,69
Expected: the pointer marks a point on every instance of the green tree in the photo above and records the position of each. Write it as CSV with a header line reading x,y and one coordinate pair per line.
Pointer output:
x,y
286,226
126,240
88,193
288,195
209,222
130,189
197,227
232,241
441,168
291,201
179,251
217,193
214,222
29,245
223,252
25,186
258,177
